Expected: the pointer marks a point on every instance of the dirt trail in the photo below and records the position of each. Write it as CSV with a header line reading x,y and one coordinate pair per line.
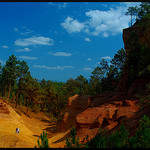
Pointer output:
x,y
30,129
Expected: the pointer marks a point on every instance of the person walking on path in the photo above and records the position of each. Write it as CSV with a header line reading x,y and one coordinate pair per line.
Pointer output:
x,y
17,130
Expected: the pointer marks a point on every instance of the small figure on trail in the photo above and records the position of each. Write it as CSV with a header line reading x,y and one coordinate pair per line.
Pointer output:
x,y
17,130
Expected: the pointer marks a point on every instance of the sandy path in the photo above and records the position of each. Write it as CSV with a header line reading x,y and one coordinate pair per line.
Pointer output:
x,y
30,130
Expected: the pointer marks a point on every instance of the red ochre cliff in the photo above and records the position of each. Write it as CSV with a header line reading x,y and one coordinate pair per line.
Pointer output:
x,y
110,109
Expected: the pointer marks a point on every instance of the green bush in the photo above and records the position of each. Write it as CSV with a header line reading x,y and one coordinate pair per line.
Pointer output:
x,y
142,137
118,139
44,141
99,141
73,142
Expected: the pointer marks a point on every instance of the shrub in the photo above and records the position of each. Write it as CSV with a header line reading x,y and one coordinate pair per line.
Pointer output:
x,y
142,137
44,141
72,142
119,139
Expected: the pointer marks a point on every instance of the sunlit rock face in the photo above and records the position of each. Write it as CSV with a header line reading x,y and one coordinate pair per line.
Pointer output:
x,y
107,116
75,105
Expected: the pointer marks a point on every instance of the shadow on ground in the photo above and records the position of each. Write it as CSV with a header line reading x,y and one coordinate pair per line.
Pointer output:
x,y
63,138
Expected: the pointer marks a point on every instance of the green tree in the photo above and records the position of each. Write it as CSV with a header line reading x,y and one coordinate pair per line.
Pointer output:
x,y
118,63
10,73
23,72
144,10
31,89
70,87
131,11
82,84
142,137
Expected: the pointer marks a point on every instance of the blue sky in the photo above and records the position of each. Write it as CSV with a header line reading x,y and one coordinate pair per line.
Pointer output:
x,y
62,40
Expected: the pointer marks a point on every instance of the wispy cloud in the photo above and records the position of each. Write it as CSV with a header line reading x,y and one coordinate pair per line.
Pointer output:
x,y
23,30
16,30
4,46
28,57
87,69
72,25
24,50
106,57
62,5
35,40
53,68
59,5
2,62
60,54
89,59
87,39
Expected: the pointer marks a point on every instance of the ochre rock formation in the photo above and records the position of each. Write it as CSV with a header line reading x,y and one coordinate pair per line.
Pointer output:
x,y
75,105
107,116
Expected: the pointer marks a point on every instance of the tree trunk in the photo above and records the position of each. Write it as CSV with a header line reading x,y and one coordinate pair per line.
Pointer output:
x,y
5,90
27,107
17,98
28,103
131,20
24,101
9,89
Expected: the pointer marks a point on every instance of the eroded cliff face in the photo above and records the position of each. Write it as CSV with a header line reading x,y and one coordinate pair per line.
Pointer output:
x,y
110,109
134,37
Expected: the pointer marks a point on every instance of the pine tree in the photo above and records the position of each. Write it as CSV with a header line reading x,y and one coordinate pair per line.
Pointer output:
x,y
44,141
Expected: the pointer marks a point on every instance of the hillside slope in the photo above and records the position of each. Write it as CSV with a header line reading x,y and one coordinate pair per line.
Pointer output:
x,y
30,129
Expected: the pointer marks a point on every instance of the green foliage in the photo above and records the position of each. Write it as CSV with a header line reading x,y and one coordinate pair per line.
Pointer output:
x,y
142,12
132,11
142,137
145,99
119,139
44,141
72,142
99,141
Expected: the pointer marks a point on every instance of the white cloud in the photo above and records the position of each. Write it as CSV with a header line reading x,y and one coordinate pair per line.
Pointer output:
x,y
24,50
89,59
53,68
60,54
104,23
39,40
87,39
28,57
72,25
106,57
105,34
4,46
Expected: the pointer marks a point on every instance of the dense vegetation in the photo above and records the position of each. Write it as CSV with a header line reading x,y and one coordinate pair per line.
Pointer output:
x,y
118,139
19,87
